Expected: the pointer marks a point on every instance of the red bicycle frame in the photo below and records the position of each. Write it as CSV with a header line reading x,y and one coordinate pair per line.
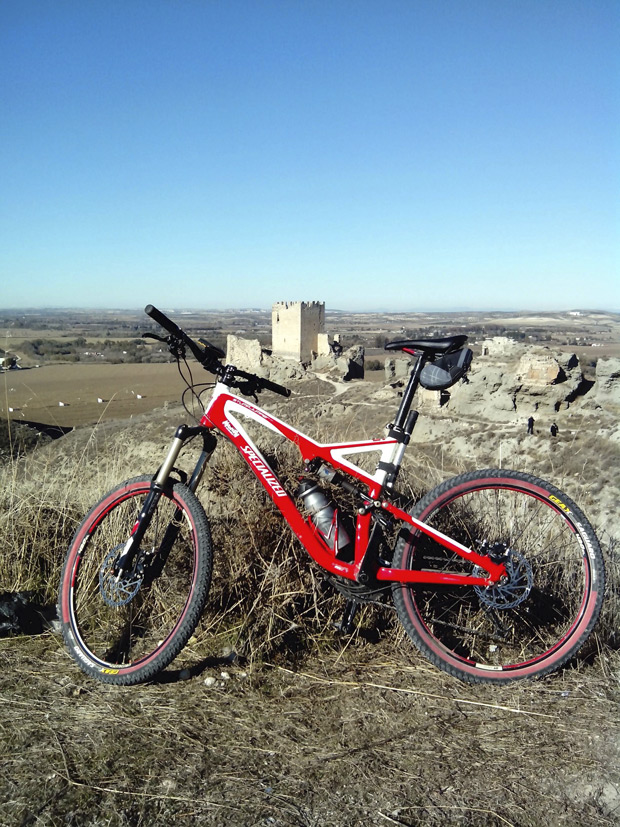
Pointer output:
x,y
223,413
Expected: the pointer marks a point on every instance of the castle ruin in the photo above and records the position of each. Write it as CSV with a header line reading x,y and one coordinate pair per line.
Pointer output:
x,y
298,330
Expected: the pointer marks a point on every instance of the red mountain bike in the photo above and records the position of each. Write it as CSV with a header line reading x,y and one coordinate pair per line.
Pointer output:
x,y
495,575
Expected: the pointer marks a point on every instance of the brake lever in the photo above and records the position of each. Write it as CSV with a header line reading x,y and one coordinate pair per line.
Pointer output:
x,y
248,389
176,346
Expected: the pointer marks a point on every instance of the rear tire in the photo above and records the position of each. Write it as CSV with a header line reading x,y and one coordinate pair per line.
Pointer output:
x,y
526,627
125,633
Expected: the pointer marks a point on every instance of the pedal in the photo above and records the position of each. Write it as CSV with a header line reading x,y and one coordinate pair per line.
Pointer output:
x,y
345,626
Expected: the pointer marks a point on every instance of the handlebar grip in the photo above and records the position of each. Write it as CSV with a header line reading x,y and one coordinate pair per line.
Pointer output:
x,y
262,384
162,319
273,386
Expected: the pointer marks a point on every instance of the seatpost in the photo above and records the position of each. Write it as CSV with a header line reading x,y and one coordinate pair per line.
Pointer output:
x,y
412,386
403,426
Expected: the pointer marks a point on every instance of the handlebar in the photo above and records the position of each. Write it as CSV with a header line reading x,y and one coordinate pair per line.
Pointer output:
x,y
209,355
258,383
162,320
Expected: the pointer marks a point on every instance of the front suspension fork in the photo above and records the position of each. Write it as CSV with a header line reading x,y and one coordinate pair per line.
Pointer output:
x,y
159,485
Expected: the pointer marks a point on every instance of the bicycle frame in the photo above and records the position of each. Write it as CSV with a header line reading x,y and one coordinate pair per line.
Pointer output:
x,y
222,414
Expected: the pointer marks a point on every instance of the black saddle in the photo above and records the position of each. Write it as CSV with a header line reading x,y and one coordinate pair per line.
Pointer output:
x,y
432,347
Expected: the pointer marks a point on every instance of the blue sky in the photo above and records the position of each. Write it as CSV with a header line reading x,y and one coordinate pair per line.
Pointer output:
x,y
388,155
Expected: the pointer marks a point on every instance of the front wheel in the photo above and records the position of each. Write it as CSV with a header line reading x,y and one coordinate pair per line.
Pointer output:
x,y
544,609
124,630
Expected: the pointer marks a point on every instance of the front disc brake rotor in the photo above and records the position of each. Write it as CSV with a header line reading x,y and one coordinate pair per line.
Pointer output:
x,y
117,592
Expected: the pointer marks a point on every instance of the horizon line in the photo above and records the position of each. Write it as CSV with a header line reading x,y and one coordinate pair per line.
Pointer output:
x,y
383,311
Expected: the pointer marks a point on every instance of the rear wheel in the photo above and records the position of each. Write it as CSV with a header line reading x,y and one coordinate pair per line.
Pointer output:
x,y
125,630
545,609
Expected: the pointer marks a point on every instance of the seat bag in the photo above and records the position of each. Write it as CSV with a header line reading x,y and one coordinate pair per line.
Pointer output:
x,y
446,371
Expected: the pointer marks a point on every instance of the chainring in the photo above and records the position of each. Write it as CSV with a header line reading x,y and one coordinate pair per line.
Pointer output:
x,y
358,592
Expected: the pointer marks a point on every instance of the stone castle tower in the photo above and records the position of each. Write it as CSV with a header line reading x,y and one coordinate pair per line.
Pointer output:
x,y
298,330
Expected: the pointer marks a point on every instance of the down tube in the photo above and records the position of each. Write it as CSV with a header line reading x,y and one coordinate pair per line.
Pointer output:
x,y
304,532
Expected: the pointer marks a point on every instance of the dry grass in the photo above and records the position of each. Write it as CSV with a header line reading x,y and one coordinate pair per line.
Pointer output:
x,y
363,738
295,726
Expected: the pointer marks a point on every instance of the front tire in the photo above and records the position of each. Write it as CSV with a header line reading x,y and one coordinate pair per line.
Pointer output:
x,y
126,632
540,617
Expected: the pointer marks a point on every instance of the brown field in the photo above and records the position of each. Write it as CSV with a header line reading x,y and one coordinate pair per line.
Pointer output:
x,y
35,394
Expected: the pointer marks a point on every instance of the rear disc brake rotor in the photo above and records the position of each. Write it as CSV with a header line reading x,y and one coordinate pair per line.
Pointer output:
x,y
515,588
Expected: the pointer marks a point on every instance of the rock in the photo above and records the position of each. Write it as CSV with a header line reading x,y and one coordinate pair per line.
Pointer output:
x,y
396,369
518,380
354,357
283,370
606,389
245,354
248,355
489,392
323,363
538,368
348,365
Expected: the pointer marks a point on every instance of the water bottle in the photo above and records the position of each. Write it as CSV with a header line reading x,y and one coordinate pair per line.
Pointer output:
x,y
332,526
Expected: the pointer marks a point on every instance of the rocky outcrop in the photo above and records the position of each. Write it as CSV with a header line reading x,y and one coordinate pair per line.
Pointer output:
x,y
396,370
248,355
514,380
347,365
489,390
537,368
245,354
606,390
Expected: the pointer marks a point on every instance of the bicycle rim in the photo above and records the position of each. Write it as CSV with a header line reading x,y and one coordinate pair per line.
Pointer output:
x,y
125,633
541,615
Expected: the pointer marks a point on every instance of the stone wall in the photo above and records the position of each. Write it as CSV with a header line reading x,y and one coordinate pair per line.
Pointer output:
x,y
245,354
499,346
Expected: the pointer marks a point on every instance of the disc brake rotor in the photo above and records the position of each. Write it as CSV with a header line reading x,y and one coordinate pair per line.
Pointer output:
x,y
118,592
515,587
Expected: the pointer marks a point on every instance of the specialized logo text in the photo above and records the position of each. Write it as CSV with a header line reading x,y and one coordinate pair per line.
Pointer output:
x,y
264,471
